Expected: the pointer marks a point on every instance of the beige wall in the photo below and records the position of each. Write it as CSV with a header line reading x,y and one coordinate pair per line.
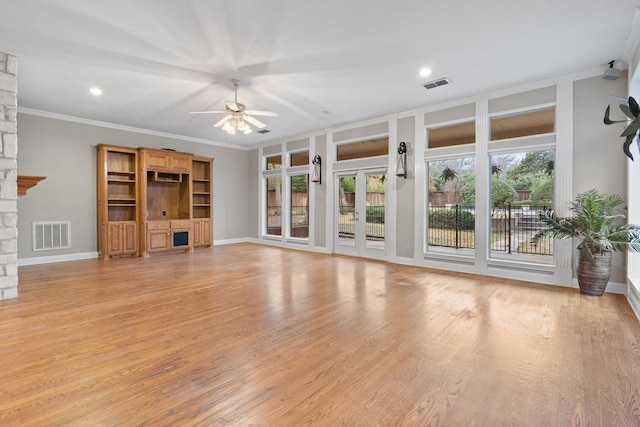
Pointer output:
x,y
598,160
64,152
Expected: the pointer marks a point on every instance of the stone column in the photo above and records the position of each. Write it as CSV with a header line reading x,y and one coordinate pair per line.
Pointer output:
x,y
8,177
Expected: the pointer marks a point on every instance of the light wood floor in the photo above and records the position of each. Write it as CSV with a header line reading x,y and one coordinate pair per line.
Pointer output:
x,y
255,335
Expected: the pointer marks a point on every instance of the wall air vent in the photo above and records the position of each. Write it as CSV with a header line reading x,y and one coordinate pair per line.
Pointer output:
x,y
264,131
437,83
51,235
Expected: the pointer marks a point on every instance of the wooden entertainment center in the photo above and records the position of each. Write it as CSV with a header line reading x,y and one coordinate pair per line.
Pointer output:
x,y
152,201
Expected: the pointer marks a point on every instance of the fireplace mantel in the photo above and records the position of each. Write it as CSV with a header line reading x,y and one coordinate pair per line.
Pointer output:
x,y
25,182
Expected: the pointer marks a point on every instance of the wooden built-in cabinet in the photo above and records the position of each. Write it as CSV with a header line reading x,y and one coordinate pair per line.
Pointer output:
x,y
122,238
152,201
117,201
201,176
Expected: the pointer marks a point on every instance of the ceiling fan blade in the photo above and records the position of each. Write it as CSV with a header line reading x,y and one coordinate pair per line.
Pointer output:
x,y
207,112
232,105
255,122
261,113
221,122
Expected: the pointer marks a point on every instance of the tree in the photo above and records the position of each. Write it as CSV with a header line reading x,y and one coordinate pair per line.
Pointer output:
x,y
502,192
448,174
533,163
522,183
542,191
347,185
376,183
468,190
299,183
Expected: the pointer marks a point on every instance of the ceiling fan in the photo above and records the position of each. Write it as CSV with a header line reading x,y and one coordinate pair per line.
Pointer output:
x,y
238,117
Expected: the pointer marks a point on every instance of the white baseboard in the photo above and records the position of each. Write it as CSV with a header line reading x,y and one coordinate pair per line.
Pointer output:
x,y
633,296
291,245
56,258
404,261
231,241
616,288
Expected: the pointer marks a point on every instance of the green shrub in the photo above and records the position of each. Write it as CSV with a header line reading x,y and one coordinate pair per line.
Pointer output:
x,y
446,218
375,214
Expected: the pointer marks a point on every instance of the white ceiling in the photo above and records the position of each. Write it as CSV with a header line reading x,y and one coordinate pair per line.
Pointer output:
x,y
318,63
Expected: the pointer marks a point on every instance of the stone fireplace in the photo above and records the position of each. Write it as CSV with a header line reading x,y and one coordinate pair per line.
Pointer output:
x,y
8,177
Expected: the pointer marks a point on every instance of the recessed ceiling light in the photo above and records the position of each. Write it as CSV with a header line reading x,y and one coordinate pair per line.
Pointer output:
x,y
425,72
96,91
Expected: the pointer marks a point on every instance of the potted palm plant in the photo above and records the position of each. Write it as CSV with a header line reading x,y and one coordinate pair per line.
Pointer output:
x,y
596,222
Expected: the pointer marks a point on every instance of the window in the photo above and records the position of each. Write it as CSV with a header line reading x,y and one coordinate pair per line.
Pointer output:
x,y
447,136
525,124
274,162
299,212
274,206
362,149
451,206
522,187
299,159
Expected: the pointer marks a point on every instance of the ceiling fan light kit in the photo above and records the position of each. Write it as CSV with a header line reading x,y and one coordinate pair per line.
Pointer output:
x,y
238,118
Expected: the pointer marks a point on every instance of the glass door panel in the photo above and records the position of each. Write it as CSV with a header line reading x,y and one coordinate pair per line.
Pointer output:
x,y
360,214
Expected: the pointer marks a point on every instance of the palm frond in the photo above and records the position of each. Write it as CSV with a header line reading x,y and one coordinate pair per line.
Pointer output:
x,y
595,220
557,228
607,113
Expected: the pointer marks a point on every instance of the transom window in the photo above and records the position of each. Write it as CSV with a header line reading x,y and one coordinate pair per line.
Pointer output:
x,y
362,149
274,162
525,124
447,136
300,158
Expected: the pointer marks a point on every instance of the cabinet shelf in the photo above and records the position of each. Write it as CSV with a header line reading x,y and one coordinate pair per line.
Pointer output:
x,y
121,171
127,200
121,181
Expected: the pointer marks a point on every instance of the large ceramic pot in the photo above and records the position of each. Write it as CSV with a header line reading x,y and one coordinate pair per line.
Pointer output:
x,y
593,274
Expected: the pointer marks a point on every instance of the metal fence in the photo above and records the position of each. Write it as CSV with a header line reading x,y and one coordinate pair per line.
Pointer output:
x,y
452,226
375,223
274,218
299,220
374,228
512,228
347,222
299,216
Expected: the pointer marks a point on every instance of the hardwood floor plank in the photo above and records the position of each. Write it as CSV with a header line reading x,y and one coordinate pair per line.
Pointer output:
x,y
254,335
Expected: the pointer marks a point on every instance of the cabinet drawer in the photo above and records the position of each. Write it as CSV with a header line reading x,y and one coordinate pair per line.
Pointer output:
x,y
157,225
182,223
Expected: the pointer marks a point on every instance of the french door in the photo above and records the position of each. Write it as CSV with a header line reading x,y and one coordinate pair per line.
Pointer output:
x,y
360,213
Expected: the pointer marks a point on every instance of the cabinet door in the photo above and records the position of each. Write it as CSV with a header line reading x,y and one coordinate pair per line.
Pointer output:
x,y
114,238
180,163
157,161
202,232
197,233
206,232
158,241
129,238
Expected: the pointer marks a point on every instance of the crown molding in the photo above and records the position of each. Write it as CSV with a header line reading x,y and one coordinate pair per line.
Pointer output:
x,y
64,117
